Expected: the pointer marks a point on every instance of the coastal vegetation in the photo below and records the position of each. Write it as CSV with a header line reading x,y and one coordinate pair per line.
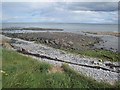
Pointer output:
x,y
24,72
59,45
101,54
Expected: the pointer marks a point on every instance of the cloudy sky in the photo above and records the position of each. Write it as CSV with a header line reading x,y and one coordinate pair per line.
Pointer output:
x,y
60,12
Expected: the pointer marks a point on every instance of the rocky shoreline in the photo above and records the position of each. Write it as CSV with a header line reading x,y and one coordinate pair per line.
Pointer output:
x,y
45,46
59,39
32,28
101,71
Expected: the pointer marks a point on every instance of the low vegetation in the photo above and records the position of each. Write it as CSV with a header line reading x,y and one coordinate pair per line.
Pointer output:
x,y
101,54
23,72
0,68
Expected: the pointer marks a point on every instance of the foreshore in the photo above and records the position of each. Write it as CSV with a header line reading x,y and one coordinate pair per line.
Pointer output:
x,y
59,39
91,67
48,46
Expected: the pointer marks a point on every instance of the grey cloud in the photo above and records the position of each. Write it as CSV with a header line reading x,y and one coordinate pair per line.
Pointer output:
x,y
91,6
86,12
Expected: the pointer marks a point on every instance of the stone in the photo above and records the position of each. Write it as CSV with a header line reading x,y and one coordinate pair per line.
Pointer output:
x,y
56,42
52,42
83,39
65,44
70,43
83,44
46,41
111,48
100,60
92,62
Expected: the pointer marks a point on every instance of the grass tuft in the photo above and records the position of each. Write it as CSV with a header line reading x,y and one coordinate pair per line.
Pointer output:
x,y
24,72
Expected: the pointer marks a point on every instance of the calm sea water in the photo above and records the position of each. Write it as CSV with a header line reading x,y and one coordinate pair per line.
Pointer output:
x,y
67,27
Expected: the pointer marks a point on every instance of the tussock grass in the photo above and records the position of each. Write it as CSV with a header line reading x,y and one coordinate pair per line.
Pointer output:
x,y
24,72
103,54
100,54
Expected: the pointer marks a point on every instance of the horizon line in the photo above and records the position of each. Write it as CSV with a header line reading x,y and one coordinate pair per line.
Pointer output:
x,y
58,23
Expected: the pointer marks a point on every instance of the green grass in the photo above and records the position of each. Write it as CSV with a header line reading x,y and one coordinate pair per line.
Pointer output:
x,y
101,54
25,72
0,68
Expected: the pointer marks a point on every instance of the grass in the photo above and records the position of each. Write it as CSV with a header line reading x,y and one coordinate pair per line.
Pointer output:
x,y
0,68
100,54
24,72
103,54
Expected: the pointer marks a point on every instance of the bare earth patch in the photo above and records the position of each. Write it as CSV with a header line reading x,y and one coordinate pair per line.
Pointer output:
x,y
5,42
56,69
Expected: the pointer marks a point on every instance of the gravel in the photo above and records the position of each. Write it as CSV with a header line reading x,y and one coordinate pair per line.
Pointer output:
x,y
83,65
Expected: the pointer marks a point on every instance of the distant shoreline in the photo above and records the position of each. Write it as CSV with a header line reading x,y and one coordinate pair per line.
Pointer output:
x,y
117,34
59,23
33,28
59,39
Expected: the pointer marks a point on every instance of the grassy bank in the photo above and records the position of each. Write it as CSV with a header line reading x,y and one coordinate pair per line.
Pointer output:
x,y
101,54
0,68
23,72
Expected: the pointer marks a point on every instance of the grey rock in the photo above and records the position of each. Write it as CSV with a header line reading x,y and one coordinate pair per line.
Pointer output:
x,y
70,43
46,41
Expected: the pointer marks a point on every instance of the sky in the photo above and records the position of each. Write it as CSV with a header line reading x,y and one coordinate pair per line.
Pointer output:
x,y
60,12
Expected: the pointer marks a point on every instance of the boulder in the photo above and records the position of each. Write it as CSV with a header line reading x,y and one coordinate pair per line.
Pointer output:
x,y
65,44
83,39
56,42
52,42
46,41
70,43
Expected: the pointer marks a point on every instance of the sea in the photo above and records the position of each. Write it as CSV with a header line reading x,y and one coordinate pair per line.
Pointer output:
x,y
68,27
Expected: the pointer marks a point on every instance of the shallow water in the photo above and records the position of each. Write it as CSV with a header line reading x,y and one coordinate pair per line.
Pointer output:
x,y
110,43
